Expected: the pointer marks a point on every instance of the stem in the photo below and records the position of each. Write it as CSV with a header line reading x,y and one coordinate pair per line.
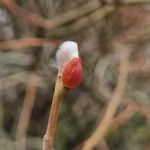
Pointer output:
x,y
54,113
115,100
25,115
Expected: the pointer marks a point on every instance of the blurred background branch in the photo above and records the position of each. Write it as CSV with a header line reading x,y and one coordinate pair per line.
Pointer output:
x,y
27,42
102,128
23,122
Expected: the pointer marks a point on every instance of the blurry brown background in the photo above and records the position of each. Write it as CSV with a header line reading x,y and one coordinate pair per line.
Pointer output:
x,y
114,41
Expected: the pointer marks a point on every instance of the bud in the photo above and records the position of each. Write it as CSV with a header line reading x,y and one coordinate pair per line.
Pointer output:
x,y
68,60
72,73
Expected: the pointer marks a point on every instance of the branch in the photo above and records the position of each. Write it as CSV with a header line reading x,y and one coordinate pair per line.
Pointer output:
x,y
127,114
112,106
141,108
86,21
123,117
9,144
135,1
11,80
19,59
27,42
30,18
31,89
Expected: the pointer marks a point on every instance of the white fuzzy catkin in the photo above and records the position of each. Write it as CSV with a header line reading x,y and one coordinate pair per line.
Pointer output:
x,y
66,51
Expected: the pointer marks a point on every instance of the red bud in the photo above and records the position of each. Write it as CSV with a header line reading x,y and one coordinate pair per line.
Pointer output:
x,y
72,73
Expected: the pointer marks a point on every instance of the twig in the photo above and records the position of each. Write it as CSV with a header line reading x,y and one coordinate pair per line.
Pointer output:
x,y
19,59
123,117
141,108
1,115
112,106
94,17
12,80
131,108
85,21
127,114
31,88
103,145
18,78
132,36
140,69
30,18
54,113
27,42
9,144
135,1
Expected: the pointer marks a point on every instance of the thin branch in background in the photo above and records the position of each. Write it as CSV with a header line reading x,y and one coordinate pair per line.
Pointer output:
x,y
135,1
27,42
2,132
15,58
30,18
132,36
71,15
86,21
1,115
33,142
115,100
123,117
103,145
131,108
141,108
12,80
31,89
140,69
93,18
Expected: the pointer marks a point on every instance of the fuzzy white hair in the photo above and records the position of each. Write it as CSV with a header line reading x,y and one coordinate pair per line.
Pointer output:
x,y
66,51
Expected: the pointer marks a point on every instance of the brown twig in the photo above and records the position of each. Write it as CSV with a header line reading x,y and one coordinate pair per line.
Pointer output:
x,y
18,78
54,113
123,117
141,108
132,107
30,18
135,1
12,80
27,42
140,69
31,88
112,106
86,21
128,113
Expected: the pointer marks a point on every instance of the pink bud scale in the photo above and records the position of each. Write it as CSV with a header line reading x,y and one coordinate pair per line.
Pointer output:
x,y
72,73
